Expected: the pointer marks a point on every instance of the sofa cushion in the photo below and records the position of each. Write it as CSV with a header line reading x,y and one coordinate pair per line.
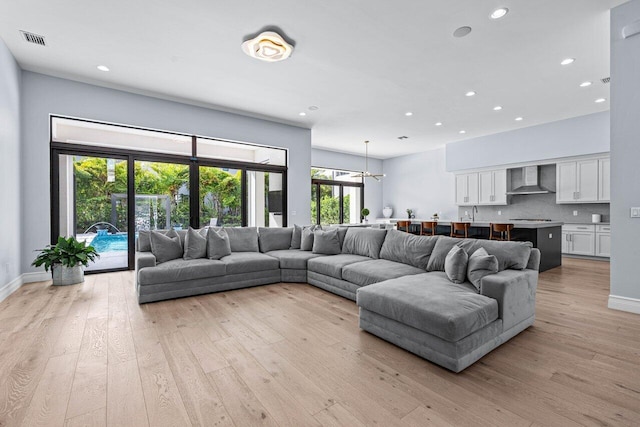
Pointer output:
x,y
455,264
243,239
342,232
326,242
306,241
143,242
179,270
218,244
296,236
363,241
368,272
431,303
513,255
165,247
332,265
195,244
273,239
408,248
440,251
481,264
249,262
294,259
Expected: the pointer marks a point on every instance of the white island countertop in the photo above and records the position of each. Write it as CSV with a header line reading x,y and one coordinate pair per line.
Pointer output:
x,y
479,223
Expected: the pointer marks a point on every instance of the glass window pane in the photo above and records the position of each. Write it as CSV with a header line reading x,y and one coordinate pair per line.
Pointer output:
x,y
329,204
220,196
162,195
334,175
240,152
352,204
105,135
93,206
264,199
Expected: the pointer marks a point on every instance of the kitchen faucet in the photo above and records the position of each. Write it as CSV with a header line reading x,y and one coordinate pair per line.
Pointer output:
x,y
474,210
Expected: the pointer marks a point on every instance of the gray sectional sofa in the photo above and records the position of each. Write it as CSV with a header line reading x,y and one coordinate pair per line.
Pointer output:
x,y
450,301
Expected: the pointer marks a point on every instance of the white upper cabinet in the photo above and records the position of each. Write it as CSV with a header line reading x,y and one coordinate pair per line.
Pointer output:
x,y
492,187
581,181
604,180
467,189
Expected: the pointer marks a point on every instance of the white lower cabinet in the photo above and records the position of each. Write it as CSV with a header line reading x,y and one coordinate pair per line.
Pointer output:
x,y
586,239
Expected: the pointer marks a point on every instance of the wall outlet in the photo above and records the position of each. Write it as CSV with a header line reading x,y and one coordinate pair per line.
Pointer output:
x,y
293,212
635,212
575,213
466,213
551,235
499,212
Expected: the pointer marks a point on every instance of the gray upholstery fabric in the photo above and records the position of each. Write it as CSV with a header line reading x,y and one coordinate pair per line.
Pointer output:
x,y
195,244
342,232
293,258
408,248
333,285
431,303
515,292
180,270
143,242
165,247
514,255
455,264
243,239
293,276
306,242
296,236
143,260
440,251
170,290
247,262
534,259
481,264
368,272
218,244
326,242
363,241
273,239
333,265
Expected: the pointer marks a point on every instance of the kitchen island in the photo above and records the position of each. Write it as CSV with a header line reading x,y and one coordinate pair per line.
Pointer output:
x,y
545,235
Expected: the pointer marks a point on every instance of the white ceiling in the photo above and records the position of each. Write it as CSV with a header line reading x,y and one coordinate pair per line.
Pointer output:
x,y
363,63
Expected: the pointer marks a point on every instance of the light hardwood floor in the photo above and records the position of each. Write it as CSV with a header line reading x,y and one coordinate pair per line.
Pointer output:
x,y
293,355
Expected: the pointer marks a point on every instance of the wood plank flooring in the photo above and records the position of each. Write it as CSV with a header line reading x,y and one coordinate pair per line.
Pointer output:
x,y
293,355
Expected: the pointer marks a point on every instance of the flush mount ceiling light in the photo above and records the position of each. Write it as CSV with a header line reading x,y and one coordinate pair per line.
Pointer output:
x,y
268,46
585,84
499,13
519,119
461,32
408,114
497,108
470,93
302,113
366,173
439,124
102,68
462,132
599,100
567,61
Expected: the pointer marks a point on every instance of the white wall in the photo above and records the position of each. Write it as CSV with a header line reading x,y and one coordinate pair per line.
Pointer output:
x,y
571,137
372,188
10,215
421,183
625,158
43,95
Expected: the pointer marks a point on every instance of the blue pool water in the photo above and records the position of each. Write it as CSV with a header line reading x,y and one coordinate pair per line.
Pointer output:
x,y
109,242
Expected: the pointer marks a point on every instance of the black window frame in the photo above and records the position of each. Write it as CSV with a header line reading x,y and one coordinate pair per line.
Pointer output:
x,y
316,183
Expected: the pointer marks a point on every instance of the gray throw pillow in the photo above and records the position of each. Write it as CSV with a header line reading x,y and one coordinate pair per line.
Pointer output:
x,y
243,239
481,264
440,251
165,247
363,241
296,237
218,244
306,242
195,244
326,242
455,264
510,255
274,238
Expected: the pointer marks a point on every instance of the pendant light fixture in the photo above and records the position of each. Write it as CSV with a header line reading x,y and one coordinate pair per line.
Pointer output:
x,y
366,173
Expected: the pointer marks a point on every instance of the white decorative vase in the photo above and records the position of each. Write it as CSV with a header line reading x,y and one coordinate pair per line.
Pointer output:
x,y
63,276
387,212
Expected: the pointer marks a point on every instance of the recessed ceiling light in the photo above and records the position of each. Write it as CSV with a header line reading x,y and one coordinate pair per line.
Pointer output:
x,y
585,84
470,93
499,13
268,46
461,32
102,68
519,119
408,113
567,61
497,108
302,113
439,124
463,131
599,100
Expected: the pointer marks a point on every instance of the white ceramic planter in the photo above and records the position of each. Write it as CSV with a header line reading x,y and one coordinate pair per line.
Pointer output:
x,y
387,212
63,276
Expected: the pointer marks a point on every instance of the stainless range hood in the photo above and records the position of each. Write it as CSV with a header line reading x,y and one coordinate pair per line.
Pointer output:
x,y
531,184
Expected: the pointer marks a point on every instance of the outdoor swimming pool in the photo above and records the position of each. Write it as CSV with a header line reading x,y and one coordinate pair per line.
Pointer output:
x,y
110,242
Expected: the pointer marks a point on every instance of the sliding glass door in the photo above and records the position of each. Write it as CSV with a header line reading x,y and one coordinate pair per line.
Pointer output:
x,y
220,196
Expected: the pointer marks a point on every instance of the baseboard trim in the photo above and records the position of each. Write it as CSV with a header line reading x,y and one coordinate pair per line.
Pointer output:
x,y
632,305
11,287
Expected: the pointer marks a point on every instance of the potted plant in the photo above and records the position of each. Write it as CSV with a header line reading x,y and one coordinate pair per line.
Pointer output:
x,y
66,259
409,213
365,212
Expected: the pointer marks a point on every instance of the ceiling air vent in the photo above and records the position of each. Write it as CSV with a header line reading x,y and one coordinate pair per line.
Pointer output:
x,y
33,38
606,80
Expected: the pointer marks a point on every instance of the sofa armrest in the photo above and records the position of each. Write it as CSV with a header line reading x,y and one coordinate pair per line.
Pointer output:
x,y
515,291
144,259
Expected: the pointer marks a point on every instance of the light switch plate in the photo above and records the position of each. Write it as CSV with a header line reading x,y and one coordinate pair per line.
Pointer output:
x,y
635,212
499,212
551,235
575,213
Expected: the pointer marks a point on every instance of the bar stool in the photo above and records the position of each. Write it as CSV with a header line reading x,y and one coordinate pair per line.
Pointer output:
x,y
460,226
403,226
428,228
503,230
